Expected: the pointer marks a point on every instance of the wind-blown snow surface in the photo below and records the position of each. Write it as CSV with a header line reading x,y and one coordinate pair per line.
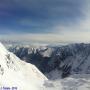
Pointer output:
x,y
16,73
75,82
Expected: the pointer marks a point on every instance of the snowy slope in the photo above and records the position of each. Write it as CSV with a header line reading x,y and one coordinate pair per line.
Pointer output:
x,y
74,82
70,59
16,73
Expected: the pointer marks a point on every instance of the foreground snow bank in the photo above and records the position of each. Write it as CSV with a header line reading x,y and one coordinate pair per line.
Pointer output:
x,y
16,73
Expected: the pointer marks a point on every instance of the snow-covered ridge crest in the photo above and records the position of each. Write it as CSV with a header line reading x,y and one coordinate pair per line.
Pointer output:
x,y
2,49
14,72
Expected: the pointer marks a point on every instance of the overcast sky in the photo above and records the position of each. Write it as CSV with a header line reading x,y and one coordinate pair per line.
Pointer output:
x,y
45,20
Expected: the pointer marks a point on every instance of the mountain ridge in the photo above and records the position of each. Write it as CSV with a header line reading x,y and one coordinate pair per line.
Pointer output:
x,y
15,72
63,60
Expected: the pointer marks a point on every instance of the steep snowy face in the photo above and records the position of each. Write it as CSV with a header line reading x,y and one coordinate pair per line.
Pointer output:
x,y
62,61
17,73
70,59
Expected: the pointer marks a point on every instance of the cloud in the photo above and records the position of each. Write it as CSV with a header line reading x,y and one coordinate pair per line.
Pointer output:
x,y
43,14
49,21
80,27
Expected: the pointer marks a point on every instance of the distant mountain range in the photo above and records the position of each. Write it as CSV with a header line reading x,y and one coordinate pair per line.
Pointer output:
x,y
56,61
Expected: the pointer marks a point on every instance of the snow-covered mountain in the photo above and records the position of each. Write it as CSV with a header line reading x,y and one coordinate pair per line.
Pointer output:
x,y
61,61
57,61
15,73
33,54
